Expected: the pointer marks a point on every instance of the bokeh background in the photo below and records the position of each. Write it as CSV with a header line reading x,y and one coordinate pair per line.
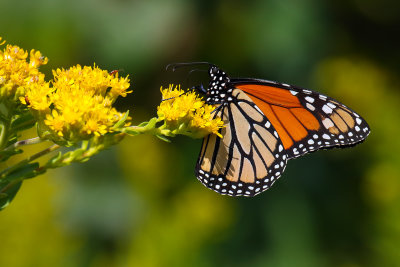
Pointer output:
x,y
139,204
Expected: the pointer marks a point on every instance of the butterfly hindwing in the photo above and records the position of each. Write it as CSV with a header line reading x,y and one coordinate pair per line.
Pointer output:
x,y
249,157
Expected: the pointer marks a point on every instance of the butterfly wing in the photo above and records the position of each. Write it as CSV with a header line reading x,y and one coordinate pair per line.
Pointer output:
x,y
305,120
249,157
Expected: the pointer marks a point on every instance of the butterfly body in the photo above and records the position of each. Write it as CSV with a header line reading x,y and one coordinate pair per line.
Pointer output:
x,y
266,124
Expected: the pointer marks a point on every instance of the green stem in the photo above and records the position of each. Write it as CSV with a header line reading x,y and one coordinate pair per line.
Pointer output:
x,y
31,141
5,122
136,130
4,126
28,159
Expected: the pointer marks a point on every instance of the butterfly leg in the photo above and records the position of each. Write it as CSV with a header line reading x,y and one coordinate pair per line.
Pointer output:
x,y
173,97
217,108
199,88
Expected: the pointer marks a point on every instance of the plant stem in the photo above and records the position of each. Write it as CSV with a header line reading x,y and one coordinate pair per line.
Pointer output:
x,y
43,152
31,141
4,125
28,159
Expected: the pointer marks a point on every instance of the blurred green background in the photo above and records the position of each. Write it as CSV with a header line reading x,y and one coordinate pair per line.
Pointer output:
x,y
140,204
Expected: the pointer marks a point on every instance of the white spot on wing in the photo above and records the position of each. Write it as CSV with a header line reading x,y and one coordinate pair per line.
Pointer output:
x,y
323,97
310,107
327,109
309,99
325,136
331,105
327,123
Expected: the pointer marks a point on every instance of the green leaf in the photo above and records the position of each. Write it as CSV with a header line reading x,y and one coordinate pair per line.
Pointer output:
x,y
77,153
121,122
163,138
55,160
131,131
6,154
151,124
23,122
143,124
24,172
8,192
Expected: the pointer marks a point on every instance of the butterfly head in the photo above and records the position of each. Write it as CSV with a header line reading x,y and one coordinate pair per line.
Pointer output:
x,y
218,91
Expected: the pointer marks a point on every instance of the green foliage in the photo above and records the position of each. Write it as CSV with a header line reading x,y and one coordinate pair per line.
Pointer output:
x,y
8,191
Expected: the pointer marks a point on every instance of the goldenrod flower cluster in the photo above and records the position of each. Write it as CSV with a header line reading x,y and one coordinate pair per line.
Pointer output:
x,y
77,103
187,113
75,109
17,74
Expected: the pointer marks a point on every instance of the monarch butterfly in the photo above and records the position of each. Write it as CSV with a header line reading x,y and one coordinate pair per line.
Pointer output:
x,y
266,124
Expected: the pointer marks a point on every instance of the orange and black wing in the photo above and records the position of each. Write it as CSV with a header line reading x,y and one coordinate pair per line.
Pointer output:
x,y
305,120
249,157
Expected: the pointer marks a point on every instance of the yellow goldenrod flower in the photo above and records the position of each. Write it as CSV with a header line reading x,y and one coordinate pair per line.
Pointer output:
x,y
55,122
37,97
17,75
187,113
77,104
202,120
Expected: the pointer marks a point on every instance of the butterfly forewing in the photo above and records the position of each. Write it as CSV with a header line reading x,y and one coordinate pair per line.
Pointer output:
x,y
249,157
305,120
339,126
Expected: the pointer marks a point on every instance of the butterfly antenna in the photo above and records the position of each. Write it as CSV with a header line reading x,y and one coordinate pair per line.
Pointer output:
x,y
175,66
193,70
190,72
